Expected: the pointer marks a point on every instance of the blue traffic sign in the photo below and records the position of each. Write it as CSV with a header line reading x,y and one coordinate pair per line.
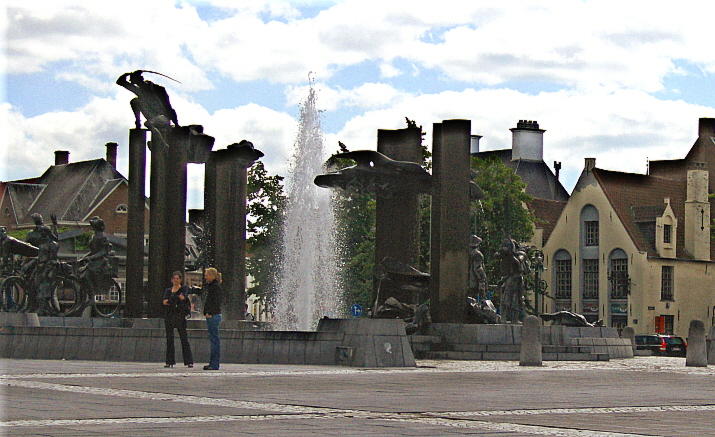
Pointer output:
x,y
356,310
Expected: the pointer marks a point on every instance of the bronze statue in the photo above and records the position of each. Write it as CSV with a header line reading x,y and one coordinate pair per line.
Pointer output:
x,y
568,318
514,267
41,270
477,274
151,100
375,172
97,270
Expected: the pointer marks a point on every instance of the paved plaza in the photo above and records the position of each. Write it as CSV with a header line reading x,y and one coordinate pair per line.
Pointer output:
x,y
640,396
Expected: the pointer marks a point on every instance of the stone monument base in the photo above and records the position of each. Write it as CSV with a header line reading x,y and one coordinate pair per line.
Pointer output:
x,y
457,341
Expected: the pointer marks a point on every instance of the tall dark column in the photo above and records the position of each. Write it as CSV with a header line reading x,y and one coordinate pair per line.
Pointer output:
x,y
158,229
397,215
225,215
135,222
176,186
450,220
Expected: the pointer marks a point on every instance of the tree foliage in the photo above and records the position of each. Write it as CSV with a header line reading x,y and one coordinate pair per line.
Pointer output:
x,y
266,203
501,213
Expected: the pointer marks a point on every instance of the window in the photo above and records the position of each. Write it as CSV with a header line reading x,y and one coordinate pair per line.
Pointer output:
x,y
563,279
122,208
667,231
666,283
591,233
590,279
618,277
669,324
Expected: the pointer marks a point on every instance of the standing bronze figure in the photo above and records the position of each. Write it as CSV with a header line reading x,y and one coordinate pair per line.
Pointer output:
x,y
97,271
514,266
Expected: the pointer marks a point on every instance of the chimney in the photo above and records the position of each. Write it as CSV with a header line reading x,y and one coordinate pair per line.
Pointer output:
x,y
589,164
557,168
527,141
706,127
697,213
474,143
62,157
112,153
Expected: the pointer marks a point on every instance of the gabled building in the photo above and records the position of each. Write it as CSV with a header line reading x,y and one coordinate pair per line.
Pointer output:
x,y
635,249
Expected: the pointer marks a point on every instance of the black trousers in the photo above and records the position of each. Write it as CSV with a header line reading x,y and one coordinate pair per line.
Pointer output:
x,y
177,322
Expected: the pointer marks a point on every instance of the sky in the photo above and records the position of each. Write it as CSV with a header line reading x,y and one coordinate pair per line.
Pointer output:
x,y
623,82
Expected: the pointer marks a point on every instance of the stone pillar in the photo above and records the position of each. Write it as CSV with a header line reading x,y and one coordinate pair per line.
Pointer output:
x,y
397,221
450,220
225,219
176,186
696,355
530,354
630,333
135,222
158,230
711,346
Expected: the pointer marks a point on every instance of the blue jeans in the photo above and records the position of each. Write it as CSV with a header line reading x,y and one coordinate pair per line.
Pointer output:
x,y
213,323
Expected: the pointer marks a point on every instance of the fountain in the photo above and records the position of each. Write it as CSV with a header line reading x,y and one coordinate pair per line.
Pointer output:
x,y
308,285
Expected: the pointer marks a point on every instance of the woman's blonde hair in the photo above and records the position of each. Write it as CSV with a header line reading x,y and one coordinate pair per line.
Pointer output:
x,y
215,273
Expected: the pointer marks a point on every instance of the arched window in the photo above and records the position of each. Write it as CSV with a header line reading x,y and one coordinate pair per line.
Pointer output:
x,y
562,275
618,274
122,208
589,226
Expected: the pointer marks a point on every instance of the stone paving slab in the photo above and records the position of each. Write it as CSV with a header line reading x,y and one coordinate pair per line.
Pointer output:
x,y
653,396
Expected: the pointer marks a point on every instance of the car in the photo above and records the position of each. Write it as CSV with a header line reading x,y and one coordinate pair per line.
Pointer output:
x,y
660,344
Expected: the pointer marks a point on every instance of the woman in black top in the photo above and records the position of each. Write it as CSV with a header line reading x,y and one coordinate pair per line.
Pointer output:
x,y
212,312
176,303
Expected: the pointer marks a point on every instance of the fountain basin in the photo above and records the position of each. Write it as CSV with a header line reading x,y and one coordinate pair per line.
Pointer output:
x,y
351,342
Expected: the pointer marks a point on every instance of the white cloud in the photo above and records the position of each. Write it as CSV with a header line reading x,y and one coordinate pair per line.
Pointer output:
x,y
586,45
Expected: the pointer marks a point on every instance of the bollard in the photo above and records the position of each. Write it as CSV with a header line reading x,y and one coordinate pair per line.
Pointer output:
x,y
630,333
696,355
530,342
711,346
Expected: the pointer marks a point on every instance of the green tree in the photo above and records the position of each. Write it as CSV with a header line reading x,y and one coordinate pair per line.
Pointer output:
x,y
501,213
266,203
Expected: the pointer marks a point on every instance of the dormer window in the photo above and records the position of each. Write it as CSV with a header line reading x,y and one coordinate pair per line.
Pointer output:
x,y
667,234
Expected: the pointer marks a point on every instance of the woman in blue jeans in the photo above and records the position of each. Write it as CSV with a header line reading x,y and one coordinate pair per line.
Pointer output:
x,y
212,312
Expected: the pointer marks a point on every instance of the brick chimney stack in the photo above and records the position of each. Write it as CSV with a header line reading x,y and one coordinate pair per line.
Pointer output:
x,y
62,157
112,153
706,127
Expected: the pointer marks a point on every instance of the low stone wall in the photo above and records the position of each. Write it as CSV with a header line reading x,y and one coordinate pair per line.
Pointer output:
x,y
614,347
455,333
360,343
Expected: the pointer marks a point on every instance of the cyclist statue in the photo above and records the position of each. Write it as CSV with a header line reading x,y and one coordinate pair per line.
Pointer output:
x,y
97,272
41,270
